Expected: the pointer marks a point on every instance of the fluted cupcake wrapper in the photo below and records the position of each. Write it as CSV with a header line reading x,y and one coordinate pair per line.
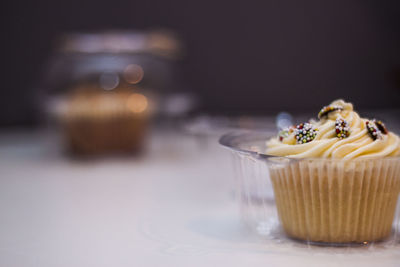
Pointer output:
x,y
336,201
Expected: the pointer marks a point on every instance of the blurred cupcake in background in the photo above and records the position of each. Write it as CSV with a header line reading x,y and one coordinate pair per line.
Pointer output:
x,y
103,86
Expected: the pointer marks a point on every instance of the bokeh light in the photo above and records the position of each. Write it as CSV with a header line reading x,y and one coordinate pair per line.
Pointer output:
x,y
133,73
109,80
137,103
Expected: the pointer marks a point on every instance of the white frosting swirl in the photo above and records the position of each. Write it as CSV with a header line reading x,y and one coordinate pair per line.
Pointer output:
x,y
359,144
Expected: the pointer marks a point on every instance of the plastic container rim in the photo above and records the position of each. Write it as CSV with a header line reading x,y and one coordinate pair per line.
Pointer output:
x,y
232,140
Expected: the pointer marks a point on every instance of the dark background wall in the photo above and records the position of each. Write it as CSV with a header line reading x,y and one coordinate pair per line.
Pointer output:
x,y
242,56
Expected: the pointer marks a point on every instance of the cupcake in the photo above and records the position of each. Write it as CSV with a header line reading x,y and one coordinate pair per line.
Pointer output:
x,y
97,123
336,179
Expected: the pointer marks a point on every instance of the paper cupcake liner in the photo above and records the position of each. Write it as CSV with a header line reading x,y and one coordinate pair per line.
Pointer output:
x,y
334,201
97,122
109,133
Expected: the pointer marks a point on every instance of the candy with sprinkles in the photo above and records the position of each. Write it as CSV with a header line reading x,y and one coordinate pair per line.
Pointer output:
x,y
324,112
381,126
305,132
285,133
342,128
373,130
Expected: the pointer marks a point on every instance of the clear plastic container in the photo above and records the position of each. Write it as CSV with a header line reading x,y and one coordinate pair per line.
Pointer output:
x,y
318,201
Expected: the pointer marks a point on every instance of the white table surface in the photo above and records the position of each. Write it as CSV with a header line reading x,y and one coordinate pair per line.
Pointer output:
x,y
172,207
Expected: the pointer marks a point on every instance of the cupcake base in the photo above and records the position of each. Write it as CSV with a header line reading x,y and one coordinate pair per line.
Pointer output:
x,y
333,201
99,123
116,135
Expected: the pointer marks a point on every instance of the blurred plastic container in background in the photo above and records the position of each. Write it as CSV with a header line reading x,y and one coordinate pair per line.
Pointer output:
x,y
103,88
